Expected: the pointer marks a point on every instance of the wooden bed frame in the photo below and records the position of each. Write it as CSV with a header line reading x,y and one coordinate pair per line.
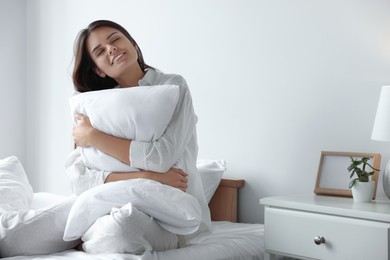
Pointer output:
x,y
223,204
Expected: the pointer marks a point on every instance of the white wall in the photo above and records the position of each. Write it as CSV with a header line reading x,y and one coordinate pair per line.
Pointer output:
x,y
49,57
12,74
273,82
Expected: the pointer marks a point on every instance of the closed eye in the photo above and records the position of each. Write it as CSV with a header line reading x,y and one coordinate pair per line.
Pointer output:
x,y
99,52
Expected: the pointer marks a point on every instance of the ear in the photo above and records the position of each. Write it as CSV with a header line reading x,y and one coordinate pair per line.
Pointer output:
x,y
100,73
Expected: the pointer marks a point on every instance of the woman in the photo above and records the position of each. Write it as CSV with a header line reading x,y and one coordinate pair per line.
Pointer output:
x,y
106,56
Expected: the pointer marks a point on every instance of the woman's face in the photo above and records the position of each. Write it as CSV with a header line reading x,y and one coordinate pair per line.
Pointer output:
x,y
112,52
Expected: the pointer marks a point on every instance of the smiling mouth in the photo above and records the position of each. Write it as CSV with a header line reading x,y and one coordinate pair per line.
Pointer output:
x,y
117,57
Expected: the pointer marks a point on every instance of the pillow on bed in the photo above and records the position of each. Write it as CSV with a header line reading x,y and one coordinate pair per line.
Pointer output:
x,y
210,172
138,113
127,230
15,190
35,231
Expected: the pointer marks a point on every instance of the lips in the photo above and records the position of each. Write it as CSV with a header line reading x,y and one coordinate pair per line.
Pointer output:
x,y
116,58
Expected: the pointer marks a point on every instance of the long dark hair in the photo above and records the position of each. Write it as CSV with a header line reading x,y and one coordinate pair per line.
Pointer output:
x,y
84,76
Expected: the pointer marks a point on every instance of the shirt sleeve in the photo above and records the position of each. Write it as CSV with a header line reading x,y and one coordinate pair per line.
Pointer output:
x,y
81,177
163,153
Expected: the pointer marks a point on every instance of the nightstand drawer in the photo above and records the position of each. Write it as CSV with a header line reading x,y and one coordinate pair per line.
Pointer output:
x,y
293,232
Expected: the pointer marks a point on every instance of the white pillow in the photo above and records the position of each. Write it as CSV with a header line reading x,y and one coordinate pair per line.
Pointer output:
x,y
210,172
173,209
137,113
15,190
35,231
127,230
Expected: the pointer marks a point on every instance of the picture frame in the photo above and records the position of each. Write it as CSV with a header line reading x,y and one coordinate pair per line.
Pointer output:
x,y
333,177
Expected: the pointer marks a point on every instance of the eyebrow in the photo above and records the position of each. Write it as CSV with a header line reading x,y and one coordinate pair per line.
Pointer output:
x,y
108,37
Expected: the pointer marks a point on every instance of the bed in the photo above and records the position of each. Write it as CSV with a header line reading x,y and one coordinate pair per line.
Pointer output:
x,y
229,239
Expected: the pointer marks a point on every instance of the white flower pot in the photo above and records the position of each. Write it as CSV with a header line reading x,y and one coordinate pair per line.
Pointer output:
x,y
363,191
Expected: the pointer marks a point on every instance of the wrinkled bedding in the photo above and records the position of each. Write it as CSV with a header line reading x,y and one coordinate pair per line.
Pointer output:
x,y
132,216
32,226
173,209
228,241
152,214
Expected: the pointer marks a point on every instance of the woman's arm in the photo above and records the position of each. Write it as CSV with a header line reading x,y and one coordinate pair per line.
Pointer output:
x,y
83,178
173,177
84,135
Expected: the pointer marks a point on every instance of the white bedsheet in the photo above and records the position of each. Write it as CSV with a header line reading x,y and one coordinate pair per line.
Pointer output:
x,y
229,241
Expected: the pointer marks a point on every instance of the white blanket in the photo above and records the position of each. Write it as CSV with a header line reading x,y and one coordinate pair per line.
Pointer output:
x,y
173,209
128,231
35,231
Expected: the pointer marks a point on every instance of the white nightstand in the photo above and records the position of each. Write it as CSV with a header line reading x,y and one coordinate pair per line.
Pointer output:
x,y
325,227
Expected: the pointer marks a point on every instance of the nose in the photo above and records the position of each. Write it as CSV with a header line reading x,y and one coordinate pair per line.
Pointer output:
x,y
112,50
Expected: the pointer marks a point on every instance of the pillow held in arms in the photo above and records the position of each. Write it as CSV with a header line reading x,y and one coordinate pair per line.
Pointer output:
x,y
137,113
173,209
15,191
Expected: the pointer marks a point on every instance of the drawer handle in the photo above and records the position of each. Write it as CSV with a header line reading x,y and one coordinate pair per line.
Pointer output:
x,y
319,240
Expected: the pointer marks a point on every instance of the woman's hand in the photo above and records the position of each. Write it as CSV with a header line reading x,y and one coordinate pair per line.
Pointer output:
x,y
83,131
176,178
85,135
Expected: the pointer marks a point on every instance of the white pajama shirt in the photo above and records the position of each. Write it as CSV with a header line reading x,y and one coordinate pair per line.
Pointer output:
x,y
176,147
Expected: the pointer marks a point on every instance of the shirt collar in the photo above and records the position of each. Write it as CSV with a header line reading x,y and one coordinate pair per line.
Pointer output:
x,y
149,78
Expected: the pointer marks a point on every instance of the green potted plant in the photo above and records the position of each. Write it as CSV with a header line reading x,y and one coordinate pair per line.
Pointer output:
x,y
362,186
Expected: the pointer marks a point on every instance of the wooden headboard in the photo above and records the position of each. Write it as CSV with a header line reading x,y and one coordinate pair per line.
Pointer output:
x,y
223,204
